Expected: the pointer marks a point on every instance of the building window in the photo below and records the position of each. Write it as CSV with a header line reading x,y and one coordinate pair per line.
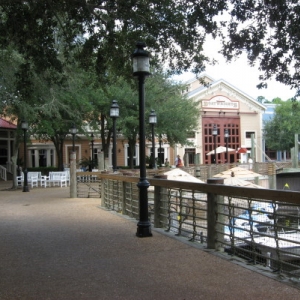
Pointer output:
x,y
128,156
190,152
161,156
33,158
51,157
42,158
249,133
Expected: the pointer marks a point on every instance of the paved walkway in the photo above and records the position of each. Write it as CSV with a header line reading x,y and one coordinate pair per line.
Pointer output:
x,y
53,247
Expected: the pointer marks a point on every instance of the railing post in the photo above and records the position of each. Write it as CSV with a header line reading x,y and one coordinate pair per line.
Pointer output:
x,y
124,199
102,204
159,201
157,204
212,216
272,176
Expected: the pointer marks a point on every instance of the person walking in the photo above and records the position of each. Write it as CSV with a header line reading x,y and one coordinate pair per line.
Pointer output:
x,y
178,162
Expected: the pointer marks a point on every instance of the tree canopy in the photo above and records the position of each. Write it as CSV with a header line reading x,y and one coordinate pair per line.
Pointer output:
x,y
280,131
102,34
268,31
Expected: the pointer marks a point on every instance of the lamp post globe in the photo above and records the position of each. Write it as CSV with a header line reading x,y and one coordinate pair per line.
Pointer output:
x,y
73,130
114,114
24,126
141,69
215,133
152,122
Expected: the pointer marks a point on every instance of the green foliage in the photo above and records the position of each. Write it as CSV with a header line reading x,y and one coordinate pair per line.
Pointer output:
x,y
103,34
280,131
43,170
268,31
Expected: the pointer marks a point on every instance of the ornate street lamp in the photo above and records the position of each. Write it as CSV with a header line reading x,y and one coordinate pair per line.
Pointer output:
x,y
73,130
226,135
141,69
153,121
215,133
114,114
24,126
92,142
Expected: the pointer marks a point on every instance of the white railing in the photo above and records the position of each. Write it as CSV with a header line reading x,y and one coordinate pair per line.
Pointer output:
x,y
3,173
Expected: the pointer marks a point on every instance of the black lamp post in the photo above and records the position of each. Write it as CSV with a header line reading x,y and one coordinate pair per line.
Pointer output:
x,y
24,126
141,69
73,131
153,121
226,134
114,114
215,133
92,142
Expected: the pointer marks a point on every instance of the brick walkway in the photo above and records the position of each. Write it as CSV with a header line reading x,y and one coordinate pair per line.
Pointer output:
x,y
57,248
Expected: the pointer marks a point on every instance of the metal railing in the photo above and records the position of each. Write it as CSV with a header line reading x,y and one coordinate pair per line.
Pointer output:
x,y
259,225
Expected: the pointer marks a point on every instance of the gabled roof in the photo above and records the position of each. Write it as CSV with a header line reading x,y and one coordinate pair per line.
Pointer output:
x,y
7,125
224,83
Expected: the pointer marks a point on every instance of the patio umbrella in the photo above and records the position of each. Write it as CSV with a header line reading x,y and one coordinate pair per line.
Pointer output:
x,y
234,181
220,149
180,175
242,150
238,172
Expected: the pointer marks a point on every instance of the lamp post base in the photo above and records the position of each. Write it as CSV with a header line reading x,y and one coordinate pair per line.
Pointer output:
x,y
25,189
143,229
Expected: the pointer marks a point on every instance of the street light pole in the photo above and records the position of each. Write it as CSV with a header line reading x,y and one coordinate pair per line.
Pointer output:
x,y
24,126
114,114
215,133
153,121
141,69
226,134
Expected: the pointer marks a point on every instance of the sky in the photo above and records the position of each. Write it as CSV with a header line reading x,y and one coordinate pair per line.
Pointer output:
x,y
240,75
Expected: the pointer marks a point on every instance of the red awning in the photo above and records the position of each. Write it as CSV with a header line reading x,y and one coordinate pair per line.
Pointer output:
x,y
242,150
6,124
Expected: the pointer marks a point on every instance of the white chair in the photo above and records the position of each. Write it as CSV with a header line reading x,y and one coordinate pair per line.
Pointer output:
x,y
45,181
59,179
33,179
20,179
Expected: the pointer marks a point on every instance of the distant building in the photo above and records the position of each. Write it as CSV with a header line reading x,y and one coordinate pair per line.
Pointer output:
x,y
221,104
7,136
228,108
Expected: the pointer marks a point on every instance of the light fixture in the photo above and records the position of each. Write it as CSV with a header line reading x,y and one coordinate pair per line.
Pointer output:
x,y
73,130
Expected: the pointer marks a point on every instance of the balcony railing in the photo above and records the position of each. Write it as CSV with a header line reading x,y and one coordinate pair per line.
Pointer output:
x,y
259,225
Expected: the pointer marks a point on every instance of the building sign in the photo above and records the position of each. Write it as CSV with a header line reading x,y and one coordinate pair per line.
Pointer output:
x,y
220,102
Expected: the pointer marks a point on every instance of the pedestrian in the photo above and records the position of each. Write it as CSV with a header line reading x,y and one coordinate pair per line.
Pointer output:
x,y
167,164
178,162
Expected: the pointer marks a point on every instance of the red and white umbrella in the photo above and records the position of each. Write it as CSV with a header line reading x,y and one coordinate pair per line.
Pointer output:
x,y
220,149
